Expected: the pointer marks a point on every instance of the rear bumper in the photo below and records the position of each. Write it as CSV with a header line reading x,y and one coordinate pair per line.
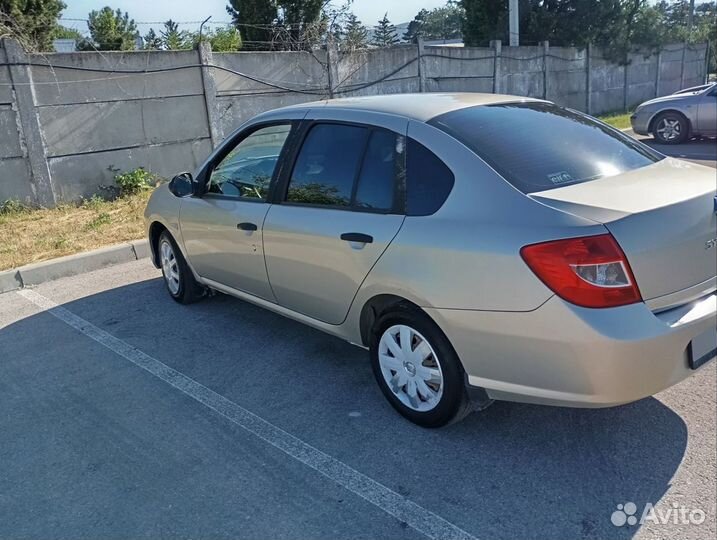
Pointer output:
x,y
560,354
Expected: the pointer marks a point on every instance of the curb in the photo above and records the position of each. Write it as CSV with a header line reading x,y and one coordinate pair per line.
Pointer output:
x,y
71,265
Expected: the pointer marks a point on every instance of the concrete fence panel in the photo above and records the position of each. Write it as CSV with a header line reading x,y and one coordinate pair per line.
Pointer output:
x,y
71,121
458,69
393,70
253,82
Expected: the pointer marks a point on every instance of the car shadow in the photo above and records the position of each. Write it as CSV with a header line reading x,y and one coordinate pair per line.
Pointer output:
x,y
695,149
513,470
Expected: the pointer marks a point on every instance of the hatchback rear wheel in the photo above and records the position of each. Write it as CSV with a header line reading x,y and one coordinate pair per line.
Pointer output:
x,y
417,369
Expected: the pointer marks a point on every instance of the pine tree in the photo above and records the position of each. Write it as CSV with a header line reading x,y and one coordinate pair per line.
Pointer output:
x,y
172,38
355,35
384,34
415,27
152,41
254,20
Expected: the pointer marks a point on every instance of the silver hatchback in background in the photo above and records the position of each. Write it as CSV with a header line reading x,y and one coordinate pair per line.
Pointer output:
x,y
674,119
480,246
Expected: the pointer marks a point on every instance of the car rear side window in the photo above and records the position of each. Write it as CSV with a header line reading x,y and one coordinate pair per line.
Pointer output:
x,y
346,166
429,181
326,167
540,146
378,172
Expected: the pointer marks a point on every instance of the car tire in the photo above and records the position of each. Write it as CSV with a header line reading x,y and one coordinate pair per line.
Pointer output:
x,y
178,277
670,128
424,383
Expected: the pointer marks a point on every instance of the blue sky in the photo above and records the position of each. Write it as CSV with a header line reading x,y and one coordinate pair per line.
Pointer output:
x,y
369,11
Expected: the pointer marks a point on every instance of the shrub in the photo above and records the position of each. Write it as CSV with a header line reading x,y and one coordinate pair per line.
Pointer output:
x,y
93,203
134,182
12,206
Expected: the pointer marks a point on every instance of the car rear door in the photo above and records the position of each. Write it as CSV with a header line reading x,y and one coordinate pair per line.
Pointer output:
x,y
338,210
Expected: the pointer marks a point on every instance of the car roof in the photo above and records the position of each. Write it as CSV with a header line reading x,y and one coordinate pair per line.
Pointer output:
x,y
421,107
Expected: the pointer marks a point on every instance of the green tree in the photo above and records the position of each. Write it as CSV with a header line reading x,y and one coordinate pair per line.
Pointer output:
x,y
384,33
301,25
152,41
254,19
483,21
63,32
443,22
225,39
415,27
355,34
174,39
110,31
32,22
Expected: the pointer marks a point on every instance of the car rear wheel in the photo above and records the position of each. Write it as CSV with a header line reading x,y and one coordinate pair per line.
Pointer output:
x,y
670,128
417,369
178,277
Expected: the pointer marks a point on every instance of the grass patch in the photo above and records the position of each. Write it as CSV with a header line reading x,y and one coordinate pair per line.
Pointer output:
x,y
617,120
31,235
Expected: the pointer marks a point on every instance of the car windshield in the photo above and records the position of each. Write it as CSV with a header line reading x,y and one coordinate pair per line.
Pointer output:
x,y
538,146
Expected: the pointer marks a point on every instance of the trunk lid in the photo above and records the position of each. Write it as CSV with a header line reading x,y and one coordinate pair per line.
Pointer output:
x,y
663,216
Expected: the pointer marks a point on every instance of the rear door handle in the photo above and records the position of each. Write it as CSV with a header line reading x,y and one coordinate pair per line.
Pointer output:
x,y
357,237
246,226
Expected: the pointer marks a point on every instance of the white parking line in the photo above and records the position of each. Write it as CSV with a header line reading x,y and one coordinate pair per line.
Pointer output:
x,y
384,498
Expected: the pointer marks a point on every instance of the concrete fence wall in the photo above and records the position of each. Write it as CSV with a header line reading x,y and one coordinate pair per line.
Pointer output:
x,y
70,121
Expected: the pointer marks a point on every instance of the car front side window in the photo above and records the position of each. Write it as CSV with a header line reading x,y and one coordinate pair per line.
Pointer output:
x,y
246,171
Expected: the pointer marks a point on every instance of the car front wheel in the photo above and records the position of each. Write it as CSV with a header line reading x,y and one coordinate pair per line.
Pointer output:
x,y
178,277
670,128
417,369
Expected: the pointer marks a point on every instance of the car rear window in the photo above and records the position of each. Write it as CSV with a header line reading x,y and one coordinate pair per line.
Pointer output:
x,y
540,146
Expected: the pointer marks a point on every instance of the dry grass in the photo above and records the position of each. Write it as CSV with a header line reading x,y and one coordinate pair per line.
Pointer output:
x,y
28,236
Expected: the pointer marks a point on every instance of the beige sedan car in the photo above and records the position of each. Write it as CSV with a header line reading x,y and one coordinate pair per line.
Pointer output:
x,y
480,247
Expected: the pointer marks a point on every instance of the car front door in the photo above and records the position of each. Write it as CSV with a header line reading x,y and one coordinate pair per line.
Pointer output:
x,y
707,113
222,230
338,211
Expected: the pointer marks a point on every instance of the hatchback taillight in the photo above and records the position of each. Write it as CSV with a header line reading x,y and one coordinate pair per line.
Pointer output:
x,y
591,271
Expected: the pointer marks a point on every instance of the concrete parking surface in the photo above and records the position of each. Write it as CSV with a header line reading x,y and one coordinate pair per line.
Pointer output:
x,y
125,415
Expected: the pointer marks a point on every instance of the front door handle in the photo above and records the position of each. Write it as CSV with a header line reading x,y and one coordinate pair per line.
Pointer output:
x,y
246,226
357,237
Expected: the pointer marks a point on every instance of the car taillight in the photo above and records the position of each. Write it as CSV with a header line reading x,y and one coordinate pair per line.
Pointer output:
x,y
591,271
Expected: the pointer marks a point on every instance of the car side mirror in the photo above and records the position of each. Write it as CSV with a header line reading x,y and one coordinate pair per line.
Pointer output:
x,y
182,185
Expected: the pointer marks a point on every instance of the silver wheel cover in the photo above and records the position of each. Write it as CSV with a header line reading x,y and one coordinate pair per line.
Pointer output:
x,y
170,268
411,368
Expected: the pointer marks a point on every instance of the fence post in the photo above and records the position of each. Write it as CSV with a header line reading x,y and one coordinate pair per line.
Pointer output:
x,y
707,62
546,51
496,45
658,76
682,66
588,79
24,101
421,68
209,87
332,64
625,83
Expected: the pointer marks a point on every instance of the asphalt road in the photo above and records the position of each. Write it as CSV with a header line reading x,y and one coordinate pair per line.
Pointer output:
x,y
703,151
126,415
